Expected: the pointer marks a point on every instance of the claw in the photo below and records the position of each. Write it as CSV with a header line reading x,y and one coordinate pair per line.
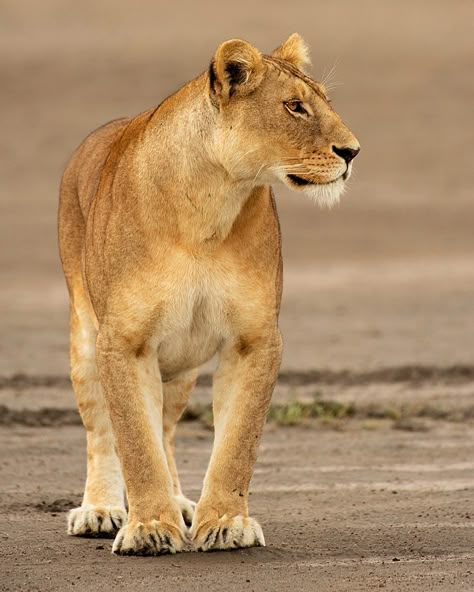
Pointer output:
x,y
228,533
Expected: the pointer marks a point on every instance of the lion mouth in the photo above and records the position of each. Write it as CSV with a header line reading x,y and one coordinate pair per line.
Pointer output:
x,y
299,180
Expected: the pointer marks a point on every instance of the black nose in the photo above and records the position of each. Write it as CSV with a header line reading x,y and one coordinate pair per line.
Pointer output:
x,y
346,153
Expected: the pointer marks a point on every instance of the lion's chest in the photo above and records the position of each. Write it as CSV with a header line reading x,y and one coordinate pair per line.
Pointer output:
x,y
195,326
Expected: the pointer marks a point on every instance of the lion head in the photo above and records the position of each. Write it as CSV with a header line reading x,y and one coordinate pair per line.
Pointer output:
x,y
275,123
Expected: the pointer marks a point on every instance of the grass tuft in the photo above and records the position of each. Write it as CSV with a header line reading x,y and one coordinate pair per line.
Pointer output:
x,y
297,412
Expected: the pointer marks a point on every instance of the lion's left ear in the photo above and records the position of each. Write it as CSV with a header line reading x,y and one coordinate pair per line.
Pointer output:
x,y
237,69
294,50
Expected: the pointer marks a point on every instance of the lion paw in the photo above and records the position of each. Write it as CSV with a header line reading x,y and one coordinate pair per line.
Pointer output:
x,y
187,508
228,533
90,521
152,538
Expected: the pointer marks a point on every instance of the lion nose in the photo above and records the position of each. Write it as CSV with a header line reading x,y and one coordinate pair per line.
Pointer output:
x,y
346,153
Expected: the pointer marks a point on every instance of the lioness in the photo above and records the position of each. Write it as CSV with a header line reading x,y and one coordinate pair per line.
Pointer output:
x,y
170,244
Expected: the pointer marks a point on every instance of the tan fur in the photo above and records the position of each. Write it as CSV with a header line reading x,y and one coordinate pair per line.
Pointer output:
x,y
295,51
170,245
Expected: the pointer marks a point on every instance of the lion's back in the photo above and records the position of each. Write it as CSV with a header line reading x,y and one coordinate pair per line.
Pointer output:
x,y
85,167
78,187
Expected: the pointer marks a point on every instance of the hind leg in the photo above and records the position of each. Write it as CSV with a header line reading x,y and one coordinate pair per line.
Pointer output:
x,y
102,512
175,398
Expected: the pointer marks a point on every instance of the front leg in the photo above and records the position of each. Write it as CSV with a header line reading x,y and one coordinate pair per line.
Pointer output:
x,y
130,376
243,387
176,394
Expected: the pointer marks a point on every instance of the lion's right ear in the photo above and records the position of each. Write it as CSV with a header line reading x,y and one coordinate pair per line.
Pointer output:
x,y
236,69
294,50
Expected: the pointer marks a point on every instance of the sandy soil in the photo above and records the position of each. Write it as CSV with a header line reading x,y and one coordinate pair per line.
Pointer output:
x,y
355,509
378,307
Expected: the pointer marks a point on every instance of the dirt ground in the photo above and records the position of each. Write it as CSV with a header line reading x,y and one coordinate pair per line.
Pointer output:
x,y
355,509
377,316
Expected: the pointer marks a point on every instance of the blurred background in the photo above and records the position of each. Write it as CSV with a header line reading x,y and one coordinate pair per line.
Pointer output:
x,y
385,279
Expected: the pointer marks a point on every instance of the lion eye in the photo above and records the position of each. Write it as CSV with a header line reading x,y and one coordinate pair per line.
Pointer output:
x,y
295,107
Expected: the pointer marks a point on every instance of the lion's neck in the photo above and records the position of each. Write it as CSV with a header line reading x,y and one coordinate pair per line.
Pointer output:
x,y
184,159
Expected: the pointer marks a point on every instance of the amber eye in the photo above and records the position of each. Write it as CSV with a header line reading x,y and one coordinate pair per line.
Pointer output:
x,y
295,106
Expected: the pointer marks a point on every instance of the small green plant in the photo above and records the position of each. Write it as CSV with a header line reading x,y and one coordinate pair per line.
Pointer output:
x,y
297,412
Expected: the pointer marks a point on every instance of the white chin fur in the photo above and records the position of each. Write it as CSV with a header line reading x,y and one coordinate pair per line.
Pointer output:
x,y
326,195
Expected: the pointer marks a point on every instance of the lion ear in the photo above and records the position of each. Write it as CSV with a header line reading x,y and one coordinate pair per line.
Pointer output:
x,y
237,68
294,50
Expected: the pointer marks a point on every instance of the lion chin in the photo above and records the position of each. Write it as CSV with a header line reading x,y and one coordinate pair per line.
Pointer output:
x,y
326,195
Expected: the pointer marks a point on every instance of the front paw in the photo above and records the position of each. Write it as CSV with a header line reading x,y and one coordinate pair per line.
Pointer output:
x,y
96,521
187,508
227,533
150,538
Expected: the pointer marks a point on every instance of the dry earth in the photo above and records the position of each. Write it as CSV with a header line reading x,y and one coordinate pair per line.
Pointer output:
x,y
347,509
378,312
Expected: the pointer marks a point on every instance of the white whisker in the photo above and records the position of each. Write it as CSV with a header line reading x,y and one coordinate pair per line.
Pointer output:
x,y
296,168
239,160
259,171
326,80
332,85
